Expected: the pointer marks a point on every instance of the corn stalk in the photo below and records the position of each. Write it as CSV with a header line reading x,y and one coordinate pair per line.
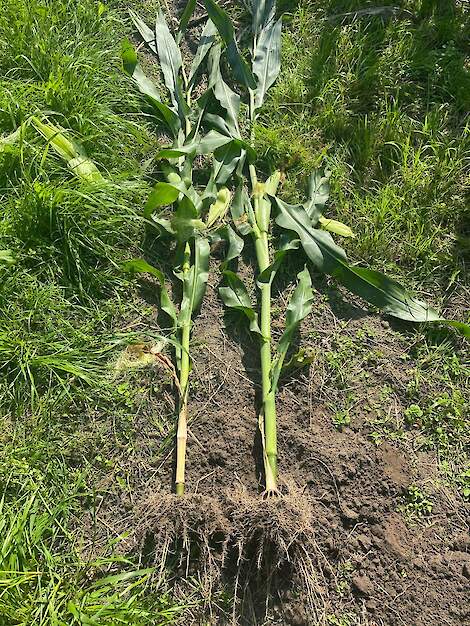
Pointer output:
x,y
183,215
303,226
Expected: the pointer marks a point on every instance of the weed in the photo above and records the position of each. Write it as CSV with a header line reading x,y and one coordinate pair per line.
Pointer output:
x,y
417,503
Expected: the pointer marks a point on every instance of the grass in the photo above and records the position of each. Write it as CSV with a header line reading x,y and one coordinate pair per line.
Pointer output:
x,y
62,307
381,103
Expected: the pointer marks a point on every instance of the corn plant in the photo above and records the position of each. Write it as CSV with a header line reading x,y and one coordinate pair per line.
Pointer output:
x,y
178,210
278,228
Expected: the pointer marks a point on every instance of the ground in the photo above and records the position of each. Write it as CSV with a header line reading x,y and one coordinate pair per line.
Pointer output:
x,y
372,528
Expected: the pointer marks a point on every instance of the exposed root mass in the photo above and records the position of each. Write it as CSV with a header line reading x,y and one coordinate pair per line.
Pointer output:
x,y
189,530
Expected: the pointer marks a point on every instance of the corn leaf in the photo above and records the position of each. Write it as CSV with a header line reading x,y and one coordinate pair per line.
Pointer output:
x,y
287,243
170,61
184,21
174,153
234,243
185,222
242,211
299,307
217,123
263,12
206,42
162,194
147,34
167,115
267,59
235,296
263,214
241,70
372,286
318,194
206,145
132,68
139,266
226,97
211,141
147,88
195,281
226,161
72,153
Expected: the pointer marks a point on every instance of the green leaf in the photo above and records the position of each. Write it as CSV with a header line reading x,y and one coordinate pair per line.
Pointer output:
x,y
142,267
211,141
230,101
6,143
195,281
206,145
241,71
287,244
217,123
318,193
333,226
185,222
147,34
184,21
299,307
170,58
173,153
167,115
235,296
227,98
206,42
148,89
72,153
263,12
372,286
219,208
7,258
132,68
267,59
242,211
226,160
234,243
162,194
269,188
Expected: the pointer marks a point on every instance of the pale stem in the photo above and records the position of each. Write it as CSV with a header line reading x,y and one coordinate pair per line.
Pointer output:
x,y
182,432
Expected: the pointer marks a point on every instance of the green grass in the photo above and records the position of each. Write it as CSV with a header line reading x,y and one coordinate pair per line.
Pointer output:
x,y
381,104
43,578
63,306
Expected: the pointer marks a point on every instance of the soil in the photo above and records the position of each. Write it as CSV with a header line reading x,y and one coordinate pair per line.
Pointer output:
x,y
335,543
